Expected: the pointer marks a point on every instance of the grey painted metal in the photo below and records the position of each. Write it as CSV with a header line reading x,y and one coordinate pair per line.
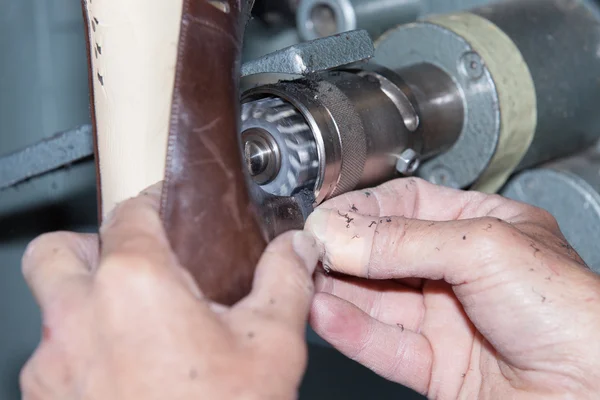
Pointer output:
x,y
425,43
560,42
44,89
67,147
60,150
570,190
318,18
315,56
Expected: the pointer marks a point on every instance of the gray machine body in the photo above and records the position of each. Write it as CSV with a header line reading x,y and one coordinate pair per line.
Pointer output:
x,y
570,190
43,49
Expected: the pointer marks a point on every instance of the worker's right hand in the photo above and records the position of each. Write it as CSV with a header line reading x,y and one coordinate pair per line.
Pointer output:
x,y
457,294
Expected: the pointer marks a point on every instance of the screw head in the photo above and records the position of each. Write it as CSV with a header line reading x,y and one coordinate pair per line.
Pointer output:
x,y
471,65
442,176
408,162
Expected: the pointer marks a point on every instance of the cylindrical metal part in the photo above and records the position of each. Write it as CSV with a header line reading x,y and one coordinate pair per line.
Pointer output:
x,y
262,155
368,124
559,41
280,149
440,106
528,74
570,190
414,51
320,18
360,126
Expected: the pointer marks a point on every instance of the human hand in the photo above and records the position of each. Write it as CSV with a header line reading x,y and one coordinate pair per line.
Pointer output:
x,y
469,295
130,323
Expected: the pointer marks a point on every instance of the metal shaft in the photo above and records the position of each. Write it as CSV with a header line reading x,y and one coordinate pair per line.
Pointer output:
x,y
559,41
440,107
60,150
368,123
570,190
320,18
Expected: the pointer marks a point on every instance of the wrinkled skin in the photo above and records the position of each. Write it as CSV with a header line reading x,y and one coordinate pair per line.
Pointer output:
x,y
130,323
470,296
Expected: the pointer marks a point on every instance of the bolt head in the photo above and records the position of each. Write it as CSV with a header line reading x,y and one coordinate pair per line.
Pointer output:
x,y
408,162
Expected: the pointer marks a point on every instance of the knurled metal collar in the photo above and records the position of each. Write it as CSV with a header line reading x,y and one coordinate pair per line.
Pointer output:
x,y
337,128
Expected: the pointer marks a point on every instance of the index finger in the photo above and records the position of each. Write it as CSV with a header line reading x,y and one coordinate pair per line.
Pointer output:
x,y
398,247
59,265
283,286
415,198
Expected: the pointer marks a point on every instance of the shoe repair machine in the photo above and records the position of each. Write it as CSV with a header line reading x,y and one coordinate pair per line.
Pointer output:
x,y
500,97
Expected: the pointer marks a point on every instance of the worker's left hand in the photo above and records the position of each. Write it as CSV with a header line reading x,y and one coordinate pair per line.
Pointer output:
x,y
130,323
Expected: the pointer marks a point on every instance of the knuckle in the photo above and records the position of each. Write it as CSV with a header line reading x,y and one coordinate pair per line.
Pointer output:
x,y
531,211
388,243
398,229
139,242
533,215
41,247
388,232
546,218
133,212
491,234
30,381
391,233
515,211
129,269
294,276
498,226
537,212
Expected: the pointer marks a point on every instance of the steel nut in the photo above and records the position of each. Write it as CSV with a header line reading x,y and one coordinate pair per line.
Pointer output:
x,y
408,162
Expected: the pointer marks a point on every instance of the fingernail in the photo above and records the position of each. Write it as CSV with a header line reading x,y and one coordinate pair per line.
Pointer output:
x,y
305,245
317,224
154,190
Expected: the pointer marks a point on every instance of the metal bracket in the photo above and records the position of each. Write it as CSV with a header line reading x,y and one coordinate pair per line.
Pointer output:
x,y
58,151
315,56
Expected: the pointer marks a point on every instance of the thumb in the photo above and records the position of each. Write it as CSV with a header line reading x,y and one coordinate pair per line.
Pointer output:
x,y
283,286
397,247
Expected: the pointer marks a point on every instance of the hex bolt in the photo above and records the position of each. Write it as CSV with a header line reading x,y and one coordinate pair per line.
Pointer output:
x,y
408,162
